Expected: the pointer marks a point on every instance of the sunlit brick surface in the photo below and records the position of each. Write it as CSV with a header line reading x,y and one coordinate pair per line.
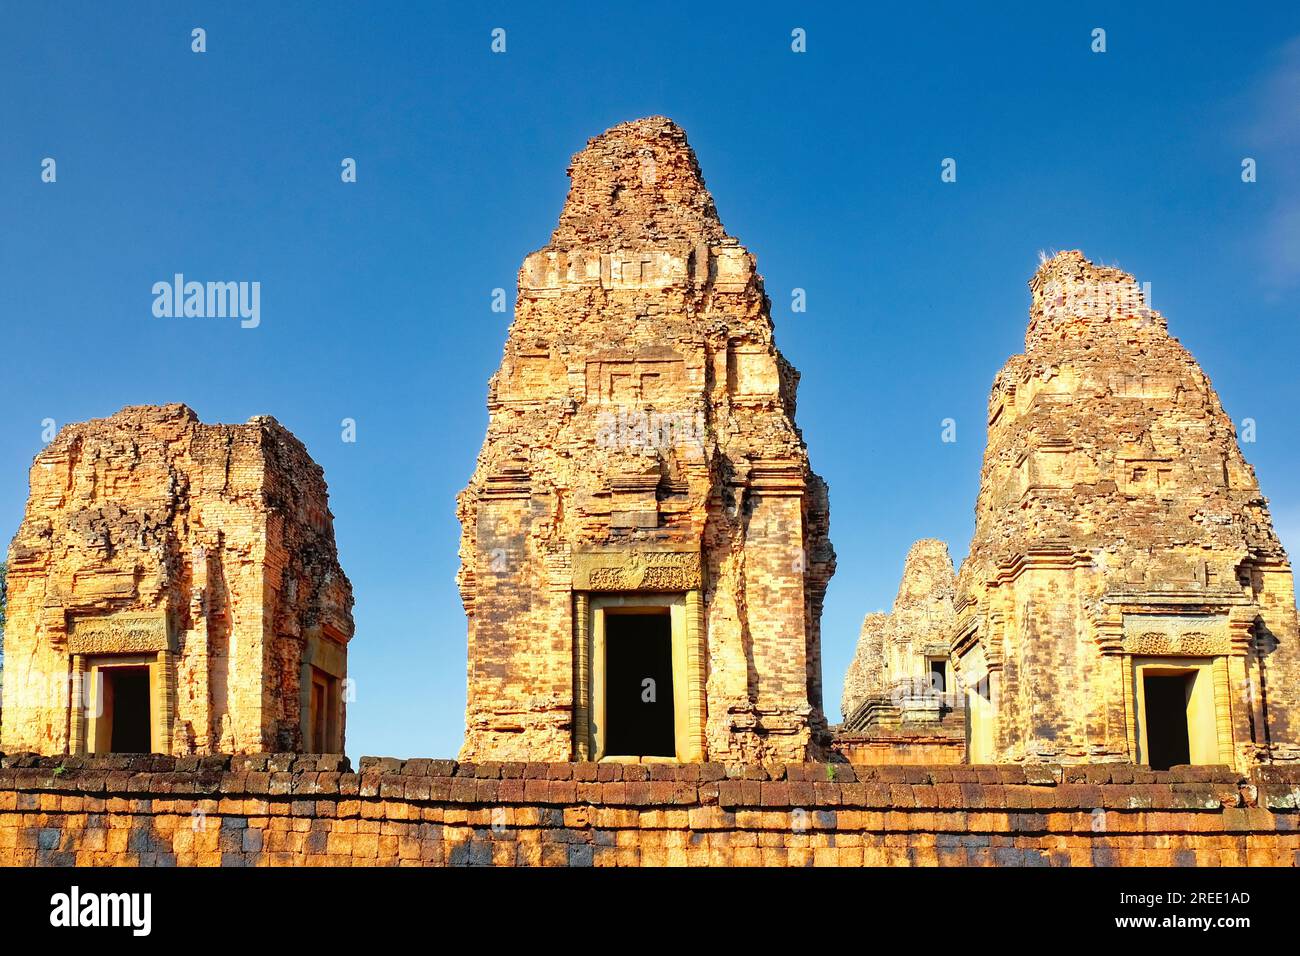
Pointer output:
x,y
1118,521
642,415
281,810
214,543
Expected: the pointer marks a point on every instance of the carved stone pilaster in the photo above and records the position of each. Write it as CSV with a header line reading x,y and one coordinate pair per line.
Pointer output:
x,y
581,677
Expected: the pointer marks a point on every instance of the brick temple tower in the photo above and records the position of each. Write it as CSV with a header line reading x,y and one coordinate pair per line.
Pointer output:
x,y
1125,597
644,547
900,702
175,588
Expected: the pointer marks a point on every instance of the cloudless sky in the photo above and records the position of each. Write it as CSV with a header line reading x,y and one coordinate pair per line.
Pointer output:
x,y
376,296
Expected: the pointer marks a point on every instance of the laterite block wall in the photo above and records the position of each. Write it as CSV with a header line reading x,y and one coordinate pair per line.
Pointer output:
x,y
286,809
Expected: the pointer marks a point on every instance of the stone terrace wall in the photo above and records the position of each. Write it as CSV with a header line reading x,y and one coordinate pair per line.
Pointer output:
x,y
286,809
910,745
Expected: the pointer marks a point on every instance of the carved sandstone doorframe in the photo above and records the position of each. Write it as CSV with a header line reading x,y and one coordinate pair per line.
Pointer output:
x,y
630,580
324,662
1205,645
125,639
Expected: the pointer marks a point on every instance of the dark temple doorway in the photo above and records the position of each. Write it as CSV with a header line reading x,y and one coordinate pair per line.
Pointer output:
x,y
1168,742
127,693
639,685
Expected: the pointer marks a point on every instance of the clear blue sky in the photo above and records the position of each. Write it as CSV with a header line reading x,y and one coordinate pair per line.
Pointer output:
x,y
376,295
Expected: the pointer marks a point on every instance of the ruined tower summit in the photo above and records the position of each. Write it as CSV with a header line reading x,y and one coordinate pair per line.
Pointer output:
x,y
175,588
1125,596
644,546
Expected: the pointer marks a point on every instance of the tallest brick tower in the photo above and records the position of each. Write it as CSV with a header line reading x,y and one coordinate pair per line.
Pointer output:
x,y
644,547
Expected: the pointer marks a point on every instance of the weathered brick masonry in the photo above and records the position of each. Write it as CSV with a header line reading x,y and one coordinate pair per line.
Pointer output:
x,y
286,809
642,458
201,555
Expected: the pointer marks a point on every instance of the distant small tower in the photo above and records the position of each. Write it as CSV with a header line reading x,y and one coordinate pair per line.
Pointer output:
x,y
901,703
175,588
